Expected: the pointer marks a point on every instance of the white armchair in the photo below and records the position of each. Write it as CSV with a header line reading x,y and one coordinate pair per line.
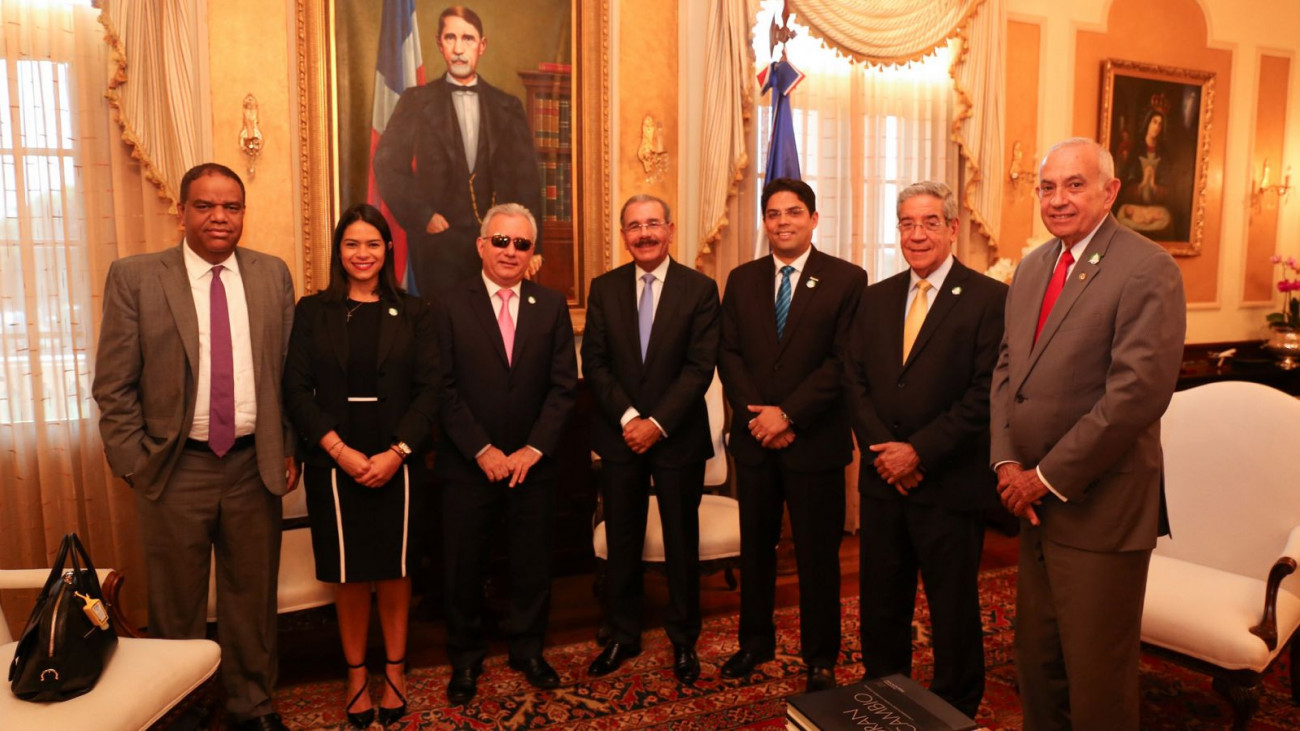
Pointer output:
x,y
143,679
719,515
1220,596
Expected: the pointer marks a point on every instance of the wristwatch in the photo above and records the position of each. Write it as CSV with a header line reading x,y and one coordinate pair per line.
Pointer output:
x,y
403,450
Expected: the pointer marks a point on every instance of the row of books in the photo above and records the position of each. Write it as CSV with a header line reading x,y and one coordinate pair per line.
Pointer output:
x,y
557,189
552,122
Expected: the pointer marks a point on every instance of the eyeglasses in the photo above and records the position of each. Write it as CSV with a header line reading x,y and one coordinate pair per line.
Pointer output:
x,y
931,224
501,241
648,227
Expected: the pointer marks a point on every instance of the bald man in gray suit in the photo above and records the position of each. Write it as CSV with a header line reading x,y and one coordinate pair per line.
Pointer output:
x,y
1095,321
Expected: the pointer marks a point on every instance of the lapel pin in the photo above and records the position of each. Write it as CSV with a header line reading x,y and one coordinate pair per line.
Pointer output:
x,y
532,300
1094,259
812,282
1083,276
392,312
956,290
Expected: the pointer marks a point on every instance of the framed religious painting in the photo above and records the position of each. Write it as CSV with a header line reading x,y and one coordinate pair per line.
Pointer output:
x,y
435,113
1156,122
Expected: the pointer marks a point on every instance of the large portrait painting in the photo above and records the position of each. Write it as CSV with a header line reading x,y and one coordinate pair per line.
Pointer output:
x,y
436,112
1155,120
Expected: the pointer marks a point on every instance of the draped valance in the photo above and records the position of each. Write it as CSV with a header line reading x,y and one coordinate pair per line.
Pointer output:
x,y
884,31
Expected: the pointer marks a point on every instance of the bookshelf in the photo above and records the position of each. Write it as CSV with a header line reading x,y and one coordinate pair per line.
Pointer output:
x,y
550,116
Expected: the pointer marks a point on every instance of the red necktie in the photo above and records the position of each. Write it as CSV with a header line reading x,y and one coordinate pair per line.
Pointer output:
x,y
1054,288
221,397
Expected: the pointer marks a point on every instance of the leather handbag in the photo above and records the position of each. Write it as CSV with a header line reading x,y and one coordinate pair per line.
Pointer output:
x,y
67,641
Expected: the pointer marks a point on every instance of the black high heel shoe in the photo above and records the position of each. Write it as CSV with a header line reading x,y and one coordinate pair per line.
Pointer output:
x,y
389,716
366,717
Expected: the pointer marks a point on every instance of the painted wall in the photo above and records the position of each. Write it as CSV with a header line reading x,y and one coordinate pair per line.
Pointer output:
x,y
1054,50
1215,35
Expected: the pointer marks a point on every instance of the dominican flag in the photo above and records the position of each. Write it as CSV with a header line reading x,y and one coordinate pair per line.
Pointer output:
x,y
398,68
782,155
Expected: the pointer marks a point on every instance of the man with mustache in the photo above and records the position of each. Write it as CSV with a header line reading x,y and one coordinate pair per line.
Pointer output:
x,y
648,354
454,148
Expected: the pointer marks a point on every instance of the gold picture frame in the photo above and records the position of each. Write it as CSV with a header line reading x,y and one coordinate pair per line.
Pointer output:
x,y
319,154
1157,121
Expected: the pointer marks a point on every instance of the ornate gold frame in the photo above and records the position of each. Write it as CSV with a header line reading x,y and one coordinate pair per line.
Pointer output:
x,y
318,156
1203,79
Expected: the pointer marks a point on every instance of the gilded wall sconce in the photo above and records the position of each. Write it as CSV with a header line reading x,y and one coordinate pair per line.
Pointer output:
x,y
1262,186
651,153
250,136
1020,176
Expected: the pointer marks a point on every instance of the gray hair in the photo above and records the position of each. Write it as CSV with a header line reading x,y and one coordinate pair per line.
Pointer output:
x,y
508,209
930,188
644,198
1105,161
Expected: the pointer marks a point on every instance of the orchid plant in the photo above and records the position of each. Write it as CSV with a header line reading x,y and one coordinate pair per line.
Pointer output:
x,y
1289,286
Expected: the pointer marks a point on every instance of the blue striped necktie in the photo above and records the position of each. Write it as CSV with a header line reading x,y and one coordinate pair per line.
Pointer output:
x,y
783,300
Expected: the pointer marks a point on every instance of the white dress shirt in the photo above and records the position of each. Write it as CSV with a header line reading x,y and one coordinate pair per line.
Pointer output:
x,y
200,276
935,279
467,116
798,264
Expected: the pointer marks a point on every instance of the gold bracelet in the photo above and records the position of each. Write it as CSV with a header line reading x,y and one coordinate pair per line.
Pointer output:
x,y
334,455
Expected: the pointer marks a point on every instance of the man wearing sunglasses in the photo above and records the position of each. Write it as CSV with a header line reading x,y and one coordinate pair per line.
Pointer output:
x,y
648,354
508,376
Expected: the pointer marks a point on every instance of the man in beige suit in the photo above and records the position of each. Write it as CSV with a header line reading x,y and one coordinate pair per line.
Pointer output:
x,y
1094,337
187,378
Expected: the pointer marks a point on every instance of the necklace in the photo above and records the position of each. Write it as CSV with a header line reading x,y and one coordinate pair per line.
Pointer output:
x,y
354,309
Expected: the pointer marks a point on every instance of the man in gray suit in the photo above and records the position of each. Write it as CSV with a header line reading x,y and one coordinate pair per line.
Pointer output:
x,y
1095,321
187,379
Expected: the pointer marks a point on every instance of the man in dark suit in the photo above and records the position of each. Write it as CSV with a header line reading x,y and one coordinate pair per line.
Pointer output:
x,y
785,320
454,148
924,345
648,353
187,378
509,371
1094,339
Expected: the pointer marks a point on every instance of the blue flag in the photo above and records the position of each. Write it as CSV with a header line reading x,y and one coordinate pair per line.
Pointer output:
x,y
782,154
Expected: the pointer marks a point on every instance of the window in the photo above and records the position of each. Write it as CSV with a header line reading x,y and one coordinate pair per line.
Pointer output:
x,y
863,134
44,369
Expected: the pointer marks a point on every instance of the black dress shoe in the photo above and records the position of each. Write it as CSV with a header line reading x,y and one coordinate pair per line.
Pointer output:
x,y
820,678
539,673
269,722
463,685
614,654
742,663
686,664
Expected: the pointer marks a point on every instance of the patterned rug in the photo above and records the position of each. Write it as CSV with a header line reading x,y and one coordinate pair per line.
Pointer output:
x,y
644,694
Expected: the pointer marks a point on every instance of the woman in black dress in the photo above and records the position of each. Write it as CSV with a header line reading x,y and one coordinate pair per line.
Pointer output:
x,y
360,385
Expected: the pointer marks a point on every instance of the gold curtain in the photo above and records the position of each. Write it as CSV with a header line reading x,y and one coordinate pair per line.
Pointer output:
x,y
729,97
153,89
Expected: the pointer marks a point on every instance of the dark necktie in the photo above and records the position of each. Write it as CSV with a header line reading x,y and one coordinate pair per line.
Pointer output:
x,y
1054,288
783,300
221,401
646,312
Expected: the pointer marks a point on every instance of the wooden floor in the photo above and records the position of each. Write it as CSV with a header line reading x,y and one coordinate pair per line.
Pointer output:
x,y
309,652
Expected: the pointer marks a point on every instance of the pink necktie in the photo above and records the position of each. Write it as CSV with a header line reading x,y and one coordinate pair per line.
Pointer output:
x,y
506,323
1054,288
221,397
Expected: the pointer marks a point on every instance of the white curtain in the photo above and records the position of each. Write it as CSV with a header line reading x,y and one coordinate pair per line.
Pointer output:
x,y
863,134
57,235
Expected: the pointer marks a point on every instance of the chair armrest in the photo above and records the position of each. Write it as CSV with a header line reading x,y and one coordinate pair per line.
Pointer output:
x,y
109,581
1266,630
295,523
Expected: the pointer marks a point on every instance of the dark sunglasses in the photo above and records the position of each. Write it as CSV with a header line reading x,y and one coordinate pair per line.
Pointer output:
x,y
501,241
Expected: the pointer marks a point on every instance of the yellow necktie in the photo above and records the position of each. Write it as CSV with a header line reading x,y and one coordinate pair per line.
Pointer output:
x,y
915,317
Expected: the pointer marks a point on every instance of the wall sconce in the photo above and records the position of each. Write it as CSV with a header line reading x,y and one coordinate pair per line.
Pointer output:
x,y
250,135
1016,171
1258,189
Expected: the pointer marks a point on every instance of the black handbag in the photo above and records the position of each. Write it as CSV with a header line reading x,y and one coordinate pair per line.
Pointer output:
x,y
67,641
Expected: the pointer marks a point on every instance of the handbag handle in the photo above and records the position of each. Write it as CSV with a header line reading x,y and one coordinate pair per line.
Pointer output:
x,y
81,565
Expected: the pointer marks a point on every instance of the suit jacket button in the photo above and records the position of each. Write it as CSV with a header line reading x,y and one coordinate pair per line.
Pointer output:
x,y
1020,399
776,367
901,384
